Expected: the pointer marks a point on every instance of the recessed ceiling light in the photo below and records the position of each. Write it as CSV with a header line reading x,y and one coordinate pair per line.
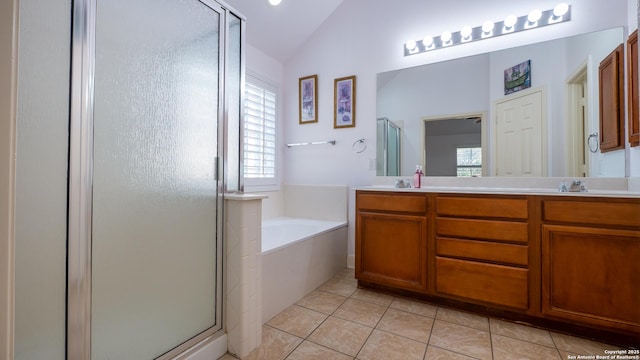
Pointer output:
x,y
274,2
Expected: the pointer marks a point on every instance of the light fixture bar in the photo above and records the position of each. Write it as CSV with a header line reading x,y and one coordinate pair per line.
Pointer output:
x,y
522,23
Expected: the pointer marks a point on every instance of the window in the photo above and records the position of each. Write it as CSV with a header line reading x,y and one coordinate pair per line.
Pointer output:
x,y
260,134
469,161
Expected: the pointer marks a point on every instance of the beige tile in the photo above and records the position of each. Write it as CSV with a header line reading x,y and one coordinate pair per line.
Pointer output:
x,y
276,345
373,297
566,354
344,336
382,345
340,286
414,307
579,346
521,332
412,326
362,312
435,353
505,348
461,339
463,318
297,321
347,273
322,301
310,351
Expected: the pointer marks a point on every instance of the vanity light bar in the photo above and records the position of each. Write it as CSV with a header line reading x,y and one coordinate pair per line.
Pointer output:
x,y
511,24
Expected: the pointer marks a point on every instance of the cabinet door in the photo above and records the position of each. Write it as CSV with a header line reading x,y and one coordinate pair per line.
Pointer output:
x,y
391,250
590,275
612,101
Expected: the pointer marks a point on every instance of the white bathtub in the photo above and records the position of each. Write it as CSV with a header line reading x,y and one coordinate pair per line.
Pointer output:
x,y
285,231
298,255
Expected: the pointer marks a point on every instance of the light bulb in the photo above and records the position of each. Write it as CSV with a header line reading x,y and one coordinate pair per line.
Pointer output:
x,y
487,26
427,41
510,21
465,31
411,44
560,9
534,15
445,37
274,2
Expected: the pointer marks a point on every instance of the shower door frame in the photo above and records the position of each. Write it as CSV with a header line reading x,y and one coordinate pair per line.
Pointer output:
x,y
80,180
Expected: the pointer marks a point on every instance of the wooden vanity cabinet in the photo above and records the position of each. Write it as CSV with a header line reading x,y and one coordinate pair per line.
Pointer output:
x,y
391,239
482,250
591,262
569,262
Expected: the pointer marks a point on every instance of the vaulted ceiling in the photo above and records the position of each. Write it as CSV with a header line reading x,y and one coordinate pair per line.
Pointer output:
x,y
279,31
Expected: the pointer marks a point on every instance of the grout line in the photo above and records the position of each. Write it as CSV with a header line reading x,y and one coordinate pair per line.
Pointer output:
x,y
387,307
456,352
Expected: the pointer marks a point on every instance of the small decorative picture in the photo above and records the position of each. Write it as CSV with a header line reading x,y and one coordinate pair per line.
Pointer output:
x,y
517,78
308,99
344,102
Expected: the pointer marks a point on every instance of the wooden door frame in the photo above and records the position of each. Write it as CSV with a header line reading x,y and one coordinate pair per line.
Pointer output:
x,y
575,137
459,116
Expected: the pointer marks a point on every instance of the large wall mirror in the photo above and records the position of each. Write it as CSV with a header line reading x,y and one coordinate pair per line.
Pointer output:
x,y
451,115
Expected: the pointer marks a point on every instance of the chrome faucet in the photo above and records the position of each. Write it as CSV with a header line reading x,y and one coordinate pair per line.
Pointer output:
x,y
403,184
575,186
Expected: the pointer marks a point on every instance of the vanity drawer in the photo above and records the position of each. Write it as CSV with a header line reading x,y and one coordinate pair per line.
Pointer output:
x,y
482,207
497,284
483,229
396,202
483,250
614,213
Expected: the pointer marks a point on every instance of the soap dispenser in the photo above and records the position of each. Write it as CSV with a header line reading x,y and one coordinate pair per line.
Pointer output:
x,y
417,177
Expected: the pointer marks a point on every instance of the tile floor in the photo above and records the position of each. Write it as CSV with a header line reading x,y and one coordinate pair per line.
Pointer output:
x,y
339,321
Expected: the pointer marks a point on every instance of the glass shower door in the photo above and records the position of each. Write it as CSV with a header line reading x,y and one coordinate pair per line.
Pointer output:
x,y
388,149
154,251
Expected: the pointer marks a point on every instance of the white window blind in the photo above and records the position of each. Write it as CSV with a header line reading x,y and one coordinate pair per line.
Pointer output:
x,y
259,133
469,161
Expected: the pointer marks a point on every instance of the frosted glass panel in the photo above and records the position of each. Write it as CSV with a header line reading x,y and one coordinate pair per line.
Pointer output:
x,y
41,180
155,148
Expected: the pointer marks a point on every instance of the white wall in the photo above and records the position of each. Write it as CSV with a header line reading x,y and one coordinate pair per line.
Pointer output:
x,y
365,37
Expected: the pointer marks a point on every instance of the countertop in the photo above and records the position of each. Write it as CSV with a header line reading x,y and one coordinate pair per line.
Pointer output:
x,y
505,191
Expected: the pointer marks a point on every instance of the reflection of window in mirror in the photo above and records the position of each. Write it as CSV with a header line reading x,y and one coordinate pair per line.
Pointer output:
x,y
469,161
444,141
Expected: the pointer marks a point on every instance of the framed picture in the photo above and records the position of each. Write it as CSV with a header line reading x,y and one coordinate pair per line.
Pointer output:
x,y
517,78
308,99
344,102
